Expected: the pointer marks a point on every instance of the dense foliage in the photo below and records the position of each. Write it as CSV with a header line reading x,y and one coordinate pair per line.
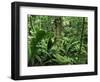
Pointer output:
x,y
57,40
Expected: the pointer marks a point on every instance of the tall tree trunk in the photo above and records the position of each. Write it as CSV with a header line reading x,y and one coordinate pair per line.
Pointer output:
x,y
81,37
58,27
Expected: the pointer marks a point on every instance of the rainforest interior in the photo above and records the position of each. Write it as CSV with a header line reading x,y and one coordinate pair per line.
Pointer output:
x,y
57,40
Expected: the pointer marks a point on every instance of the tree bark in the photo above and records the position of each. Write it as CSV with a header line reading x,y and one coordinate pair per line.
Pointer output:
x,y
58,27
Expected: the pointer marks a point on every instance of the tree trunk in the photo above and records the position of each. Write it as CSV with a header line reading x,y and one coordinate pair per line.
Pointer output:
x,y
58,27
81,37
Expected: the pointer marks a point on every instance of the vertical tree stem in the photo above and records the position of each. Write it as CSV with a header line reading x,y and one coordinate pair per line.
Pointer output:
x,y
82,31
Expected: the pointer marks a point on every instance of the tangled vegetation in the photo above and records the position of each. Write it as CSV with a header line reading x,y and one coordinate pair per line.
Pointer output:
x,y
57,40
